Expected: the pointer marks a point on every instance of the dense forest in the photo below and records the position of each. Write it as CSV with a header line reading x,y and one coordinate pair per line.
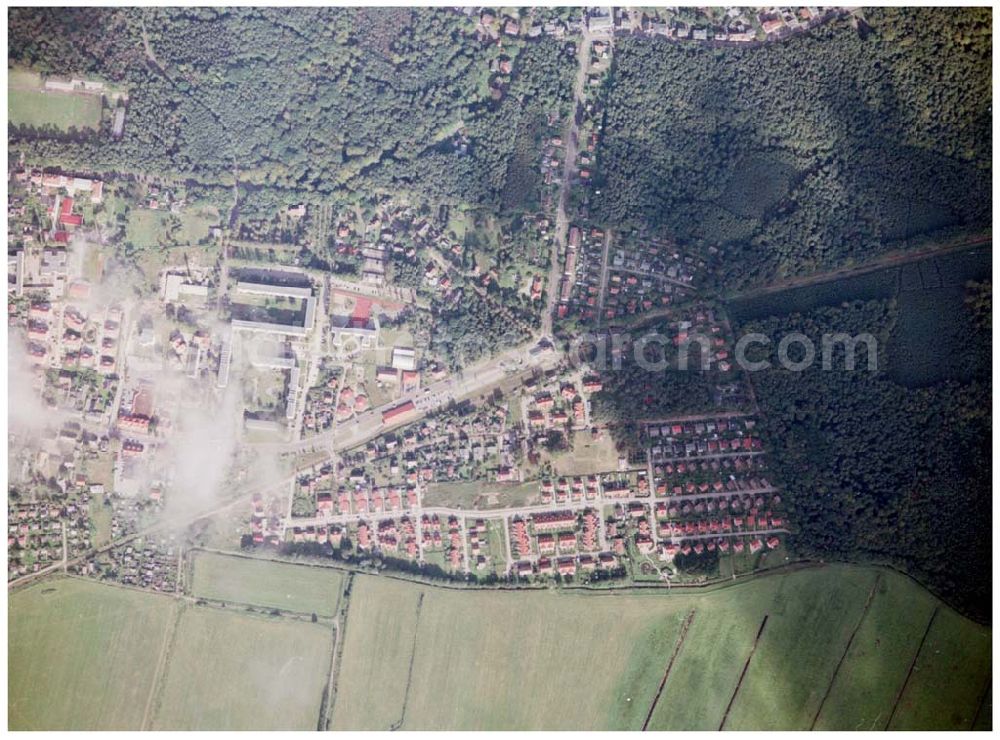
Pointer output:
x,y
817,151
322,101
875,470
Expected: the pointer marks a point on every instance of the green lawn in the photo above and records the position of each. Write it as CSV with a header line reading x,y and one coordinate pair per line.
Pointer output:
x,y
53,109
147,228
82,655
266,583
234,671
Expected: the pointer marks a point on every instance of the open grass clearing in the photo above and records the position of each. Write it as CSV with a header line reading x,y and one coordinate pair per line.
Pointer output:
x,y
29,104
588,455
266,583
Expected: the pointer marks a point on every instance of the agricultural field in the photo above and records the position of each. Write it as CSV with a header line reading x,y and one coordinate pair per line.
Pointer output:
x,y
28,104
235,671
379,637
510,669
809,625
877,662
266,583
950,680
610,652
830,647
82,655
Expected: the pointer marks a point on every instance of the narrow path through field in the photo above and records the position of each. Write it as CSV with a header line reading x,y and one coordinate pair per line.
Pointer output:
x,y
743,673
847,647
161,663
913,663
330,695
409,671
323,723
670,664
345,605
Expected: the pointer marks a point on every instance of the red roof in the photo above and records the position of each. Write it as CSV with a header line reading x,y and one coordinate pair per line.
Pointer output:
x,y
362,313
397,411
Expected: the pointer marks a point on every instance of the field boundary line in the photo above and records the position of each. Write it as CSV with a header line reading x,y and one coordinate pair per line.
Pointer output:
x,y
322,724
913,663
743,673
847,648
982,703
670,664
409,670
339,653
161,665
340,628
616,589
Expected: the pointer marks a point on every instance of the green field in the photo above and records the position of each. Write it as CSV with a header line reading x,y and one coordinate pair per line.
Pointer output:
x,y
491,660
480,495
266,583
379,635
810,621
706,671
842,647
483,660
82,656
950,677
29,105
877,663
234,671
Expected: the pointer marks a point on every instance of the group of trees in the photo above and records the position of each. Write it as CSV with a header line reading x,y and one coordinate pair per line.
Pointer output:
x,y
877,471
304,101
808,153
477,326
